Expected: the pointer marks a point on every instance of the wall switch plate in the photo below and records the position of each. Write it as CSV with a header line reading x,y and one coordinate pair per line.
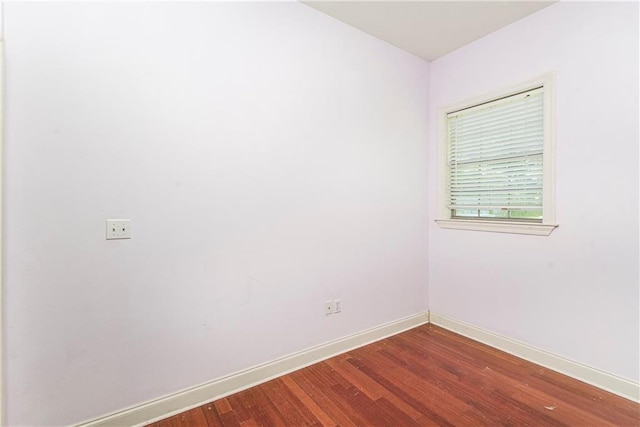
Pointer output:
x,y
118,229
328,307
337,306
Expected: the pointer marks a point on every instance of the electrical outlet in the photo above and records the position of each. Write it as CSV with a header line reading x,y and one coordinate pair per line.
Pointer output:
x,y
337,306
329,307
118,229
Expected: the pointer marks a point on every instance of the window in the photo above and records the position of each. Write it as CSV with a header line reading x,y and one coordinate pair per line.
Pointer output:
x,y
496,162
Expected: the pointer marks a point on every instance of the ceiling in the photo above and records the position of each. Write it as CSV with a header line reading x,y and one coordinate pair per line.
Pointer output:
x,y
428,29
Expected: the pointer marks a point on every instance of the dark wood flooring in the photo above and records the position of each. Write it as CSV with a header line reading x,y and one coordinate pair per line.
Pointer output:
x,y
427,376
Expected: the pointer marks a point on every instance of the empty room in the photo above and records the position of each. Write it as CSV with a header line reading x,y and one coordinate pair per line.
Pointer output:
x,y
323,213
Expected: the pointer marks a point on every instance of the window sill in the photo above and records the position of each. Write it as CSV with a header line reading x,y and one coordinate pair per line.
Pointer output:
x,y
498,227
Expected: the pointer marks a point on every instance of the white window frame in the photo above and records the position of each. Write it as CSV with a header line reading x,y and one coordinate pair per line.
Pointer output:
x,y
544,228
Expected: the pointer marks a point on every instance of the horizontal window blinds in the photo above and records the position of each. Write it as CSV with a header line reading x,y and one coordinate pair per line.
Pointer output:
x,y
495,154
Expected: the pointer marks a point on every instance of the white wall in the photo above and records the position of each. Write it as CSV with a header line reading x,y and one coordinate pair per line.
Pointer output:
x,y
269,157
574,293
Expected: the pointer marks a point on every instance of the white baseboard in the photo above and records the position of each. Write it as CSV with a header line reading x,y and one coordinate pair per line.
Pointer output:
x,y
617,385
193,397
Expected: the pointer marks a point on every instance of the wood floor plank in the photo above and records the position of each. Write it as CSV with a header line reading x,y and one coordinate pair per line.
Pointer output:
x,y
315,390
372,388
426,376
194,417
226,413
211,415
308,401
371,411
264,412
432,383
332,386
290,408
427,396
363,382
481,395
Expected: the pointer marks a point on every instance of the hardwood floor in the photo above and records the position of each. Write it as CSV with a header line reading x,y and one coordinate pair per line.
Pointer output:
x,y
423,377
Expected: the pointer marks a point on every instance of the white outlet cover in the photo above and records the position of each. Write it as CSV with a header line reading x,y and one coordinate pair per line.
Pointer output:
x,y
328,307
337,306
118,229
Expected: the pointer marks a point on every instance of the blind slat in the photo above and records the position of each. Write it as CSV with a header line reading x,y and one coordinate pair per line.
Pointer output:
x,y
498,137
527,114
